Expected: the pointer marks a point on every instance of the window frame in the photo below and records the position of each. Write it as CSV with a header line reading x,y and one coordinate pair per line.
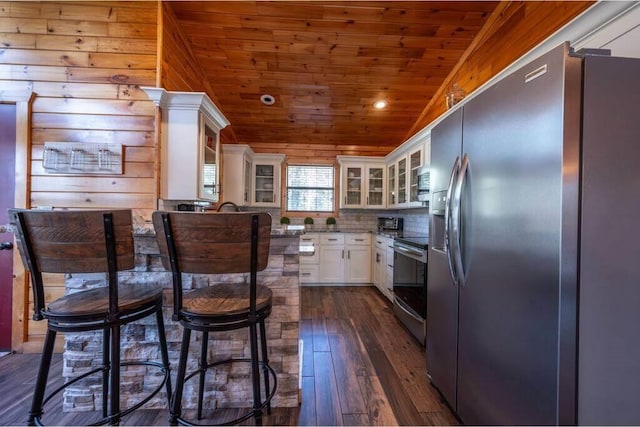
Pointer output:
x,y
313,214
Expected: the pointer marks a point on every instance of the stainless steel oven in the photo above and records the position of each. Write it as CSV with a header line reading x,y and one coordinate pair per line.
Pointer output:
x,y
410,284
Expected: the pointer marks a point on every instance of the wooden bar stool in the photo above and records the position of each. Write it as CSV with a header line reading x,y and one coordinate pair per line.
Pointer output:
x,y
219,243
88,242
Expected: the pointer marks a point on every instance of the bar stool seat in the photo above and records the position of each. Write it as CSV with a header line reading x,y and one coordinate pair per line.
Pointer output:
x,y
223,300
94,303
219,243
88,242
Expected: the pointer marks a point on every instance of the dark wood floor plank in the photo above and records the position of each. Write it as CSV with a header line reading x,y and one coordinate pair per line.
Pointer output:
x,y
306,335
440,418
409,362
320,339
403,408
308,406
328,306
357,351
351,401
356,420
379,409
328,411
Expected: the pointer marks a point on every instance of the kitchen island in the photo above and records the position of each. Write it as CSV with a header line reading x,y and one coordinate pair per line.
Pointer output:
x,y
227,388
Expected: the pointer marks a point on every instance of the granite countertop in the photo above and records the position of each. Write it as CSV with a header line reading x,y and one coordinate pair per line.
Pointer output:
x,y
324,230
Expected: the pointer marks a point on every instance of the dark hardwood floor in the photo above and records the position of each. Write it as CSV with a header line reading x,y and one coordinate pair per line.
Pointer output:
x,y
360,367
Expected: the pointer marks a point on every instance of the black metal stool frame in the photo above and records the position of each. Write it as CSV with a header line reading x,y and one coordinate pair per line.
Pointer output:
x,y
213,323
110,323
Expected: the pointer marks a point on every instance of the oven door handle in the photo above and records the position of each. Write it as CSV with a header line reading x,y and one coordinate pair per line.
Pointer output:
x,y
409,252
400,305
447,220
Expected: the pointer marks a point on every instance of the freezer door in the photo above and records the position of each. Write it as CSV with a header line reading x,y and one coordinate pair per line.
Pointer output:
x,y
511,238
609,341
446,144
442,292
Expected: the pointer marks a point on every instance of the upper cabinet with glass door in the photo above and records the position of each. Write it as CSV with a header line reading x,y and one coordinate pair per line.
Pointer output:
x,y
209,184
190,145
375,186
415,163
362,183
403,166
266,179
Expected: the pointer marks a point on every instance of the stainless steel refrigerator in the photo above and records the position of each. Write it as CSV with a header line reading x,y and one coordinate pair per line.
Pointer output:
x,y
533,306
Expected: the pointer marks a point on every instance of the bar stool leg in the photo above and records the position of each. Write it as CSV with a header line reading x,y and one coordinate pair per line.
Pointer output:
x,y
176,400
114,412
43,374
163,350
106,334
255,374
203,370
265,361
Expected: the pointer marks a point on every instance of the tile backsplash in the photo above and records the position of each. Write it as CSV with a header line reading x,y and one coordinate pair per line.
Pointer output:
x,y
416,221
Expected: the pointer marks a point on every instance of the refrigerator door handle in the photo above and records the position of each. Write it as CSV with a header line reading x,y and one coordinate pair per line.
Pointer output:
x,y
457,219
447,219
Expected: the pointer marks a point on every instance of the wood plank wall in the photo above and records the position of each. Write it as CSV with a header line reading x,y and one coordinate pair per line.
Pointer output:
x,y
518,28
85,62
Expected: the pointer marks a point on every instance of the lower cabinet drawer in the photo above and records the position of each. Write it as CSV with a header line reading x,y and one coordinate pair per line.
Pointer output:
x,y
308,273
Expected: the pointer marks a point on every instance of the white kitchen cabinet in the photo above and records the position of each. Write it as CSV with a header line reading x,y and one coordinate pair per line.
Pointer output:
x,y
266,180
332,259
375,186
392,198
343,258
382,266
402,172
362,182
388,280
236,174
378,262
251,179
309,265
358,258
414,160
397,183
190,145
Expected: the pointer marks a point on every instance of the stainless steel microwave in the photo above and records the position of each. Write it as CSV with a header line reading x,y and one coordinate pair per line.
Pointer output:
x,y
390,224
424,183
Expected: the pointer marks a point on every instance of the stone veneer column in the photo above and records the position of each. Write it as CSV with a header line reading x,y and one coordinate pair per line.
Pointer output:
x,y
228,387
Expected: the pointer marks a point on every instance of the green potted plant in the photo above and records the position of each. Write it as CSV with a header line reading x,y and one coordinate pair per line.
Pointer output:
x,y
308,222
285,220
331,223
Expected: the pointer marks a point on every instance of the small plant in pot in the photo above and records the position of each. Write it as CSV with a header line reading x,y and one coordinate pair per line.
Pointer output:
x,y
284,223
331,223
308,223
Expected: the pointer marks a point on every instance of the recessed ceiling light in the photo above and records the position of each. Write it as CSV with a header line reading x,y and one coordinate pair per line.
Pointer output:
x,y
267,99
379,105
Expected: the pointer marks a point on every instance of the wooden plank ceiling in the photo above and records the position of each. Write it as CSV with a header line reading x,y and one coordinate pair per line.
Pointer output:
x,y
326,63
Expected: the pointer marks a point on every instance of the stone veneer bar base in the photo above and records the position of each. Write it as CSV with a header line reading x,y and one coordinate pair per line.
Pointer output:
x,y
228,387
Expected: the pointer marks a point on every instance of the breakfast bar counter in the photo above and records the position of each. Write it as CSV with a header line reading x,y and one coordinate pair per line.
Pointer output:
x,y
228,388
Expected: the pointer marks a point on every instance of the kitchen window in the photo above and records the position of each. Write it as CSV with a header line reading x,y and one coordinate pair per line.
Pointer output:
x,y
310,188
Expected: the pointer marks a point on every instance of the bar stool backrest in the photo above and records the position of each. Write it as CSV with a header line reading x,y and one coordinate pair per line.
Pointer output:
x,y
74,242
213,243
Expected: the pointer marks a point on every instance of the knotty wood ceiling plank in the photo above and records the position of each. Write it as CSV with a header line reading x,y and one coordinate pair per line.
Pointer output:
x,y
325,63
